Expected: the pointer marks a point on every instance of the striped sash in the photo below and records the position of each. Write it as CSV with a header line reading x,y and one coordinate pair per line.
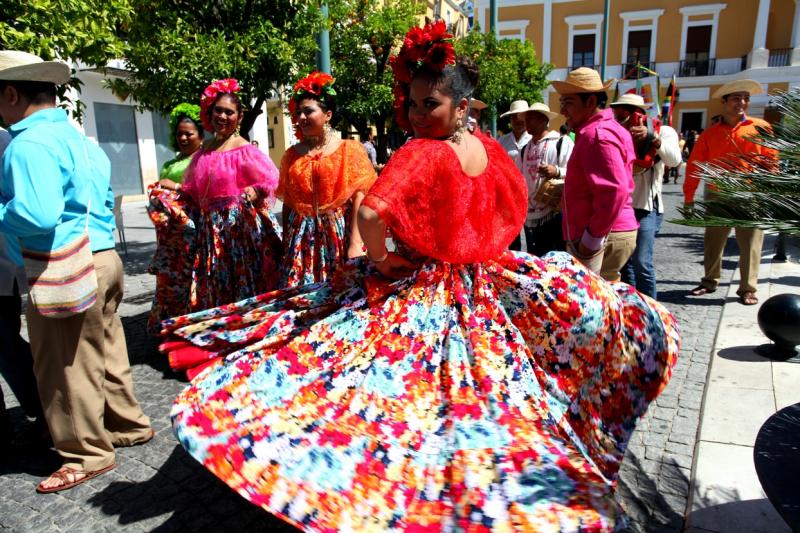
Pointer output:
x,y
62,282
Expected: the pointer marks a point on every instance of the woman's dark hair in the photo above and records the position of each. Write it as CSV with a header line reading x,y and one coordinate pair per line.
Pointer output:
x,y
234,98
326,101
36,92
187,118
456,81
602,98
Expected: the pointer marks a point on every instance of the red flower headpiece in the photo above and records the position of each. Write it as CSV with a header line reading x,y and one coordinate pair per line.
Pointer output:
x,y
210,95
431,47
315,84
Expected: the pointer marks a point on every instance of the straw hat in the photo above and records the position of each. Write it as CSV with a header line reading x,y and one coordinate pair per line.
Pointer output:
x,y
543,109
738,86
581,80
633,100
474,103
517,106
22,66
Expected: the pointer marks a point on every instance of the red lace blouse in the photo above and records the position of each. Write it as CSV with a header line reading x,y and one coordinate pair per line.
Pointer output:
x,y
431,205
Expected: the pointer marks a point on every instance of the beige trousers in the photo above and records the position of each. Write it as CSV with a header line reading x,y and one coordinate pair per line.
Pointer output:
x,y
84,376
618,249
749,241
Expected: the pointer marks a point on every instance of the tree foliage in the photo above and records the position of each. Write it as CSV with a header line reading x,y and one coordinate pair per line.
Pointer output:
x,y
176,47
753,191
509,68
75,30
364,33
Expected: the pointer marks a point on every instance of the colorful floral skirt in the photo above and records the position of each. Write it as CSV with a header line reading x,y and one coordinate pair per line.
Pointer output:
x,y
238,253
173,217
315,246
497,396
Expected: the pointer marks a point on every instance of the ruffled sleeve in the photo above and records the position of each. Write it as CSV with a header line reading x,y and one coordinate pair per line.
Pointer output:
x,y
333,178
222,176
432,206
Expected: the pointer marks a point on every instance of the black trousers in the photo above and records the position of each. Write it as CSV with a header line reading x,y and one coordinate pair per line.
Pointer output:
x,y
542,239
16,362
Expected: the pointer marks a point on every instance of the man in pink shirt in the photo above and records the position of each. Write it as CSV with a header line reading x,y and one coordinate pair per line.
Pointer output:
x,y
598,220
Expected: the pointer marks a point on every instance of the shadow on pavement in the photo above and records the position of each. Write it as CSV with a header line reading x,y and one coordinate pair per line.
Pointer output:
x,y
647,505
194,499
138,257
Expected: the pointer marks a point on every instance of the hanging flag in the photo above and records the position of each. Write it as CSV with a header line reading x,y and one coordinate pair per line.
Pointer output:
x,y
669,101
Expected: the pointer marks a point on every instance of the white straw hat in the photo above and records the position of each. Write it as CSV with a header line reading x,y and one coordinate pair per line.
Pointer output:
x,y
517,106
22,66
633,100
544,109
581,80
739,86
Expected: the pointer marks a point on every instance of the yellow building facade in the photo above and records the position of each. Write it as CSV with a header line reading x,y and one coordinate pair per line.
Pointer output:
x,y
702,44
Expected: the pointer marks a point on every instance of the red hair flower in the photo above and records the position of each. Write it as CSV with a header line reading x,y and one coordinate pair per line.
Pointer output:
x,y
315,84
210,95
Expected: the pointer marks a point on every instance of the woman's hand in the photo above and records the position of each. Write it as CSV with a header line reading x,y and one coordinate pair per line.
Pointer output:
x,y
166,183
396,266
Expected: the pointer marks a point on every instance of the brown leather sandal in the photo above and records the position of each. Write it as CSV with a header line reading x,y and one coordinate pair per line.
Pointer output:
x,y
700,290
748,298
63,475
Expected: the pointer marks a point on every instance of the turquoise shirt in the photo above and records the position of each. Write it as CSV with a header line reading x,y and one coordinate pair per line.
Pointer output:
x,y
50,171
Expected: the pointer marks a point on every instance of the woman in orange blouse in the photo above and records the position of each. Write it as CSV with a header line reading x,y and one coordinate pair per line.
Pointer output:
x,y
323,180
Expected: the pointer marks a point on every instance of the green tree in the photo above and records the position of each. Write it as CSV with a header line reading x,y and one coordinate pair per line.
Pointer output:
x,y
509,68
76,30
364,33
752,191
176,47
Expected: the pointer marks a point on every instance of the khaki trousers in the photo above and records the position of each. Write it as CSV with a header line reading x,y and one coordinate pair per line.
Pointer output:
x,y
618,249
749,241
84,376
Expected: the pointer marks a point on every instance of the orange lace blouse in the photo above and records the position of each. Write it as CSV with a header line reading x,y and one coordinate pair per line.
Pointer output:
x,y
310,184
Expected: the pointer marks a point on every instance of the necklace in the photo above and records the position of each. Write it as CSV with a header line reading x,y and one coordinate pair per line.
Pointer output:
x,y
318,143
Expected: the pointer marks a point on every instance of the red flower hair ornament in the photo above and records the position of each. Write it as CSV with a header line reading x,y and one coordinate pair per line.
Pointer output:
x,y
315,85
430,46
210,95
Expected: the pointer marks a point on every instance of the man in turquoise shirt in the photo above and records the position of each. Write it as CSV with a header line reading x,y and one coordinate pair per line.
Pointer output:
x,y
52,178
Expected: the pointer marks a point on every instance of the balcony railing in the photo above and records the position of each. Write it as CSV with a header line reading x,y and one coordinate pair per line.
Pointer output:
x,y
629,67
692,68
780,57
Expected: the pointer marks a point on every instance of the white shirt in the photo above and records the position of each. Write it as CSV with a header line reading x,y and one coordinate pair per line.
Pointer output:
x,y
9,271
648,182
544,151
512,146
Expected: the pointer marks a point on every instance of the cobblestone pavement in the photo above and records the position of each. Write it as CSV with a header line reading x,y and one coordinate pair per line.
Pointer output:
x,y
158,487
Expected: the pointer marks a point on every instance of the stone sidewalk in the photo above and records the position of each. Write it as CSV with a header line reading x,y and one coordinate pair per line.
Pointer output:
x,y
159,487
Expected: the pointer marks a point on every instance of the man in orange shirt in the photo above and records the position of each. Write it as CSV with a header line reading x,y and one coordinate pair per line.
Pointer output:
x,y
723,140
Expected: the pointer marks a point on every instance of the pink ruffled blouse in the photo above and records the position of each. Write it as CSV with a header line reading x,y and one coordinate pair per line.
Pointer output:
x,y
221,177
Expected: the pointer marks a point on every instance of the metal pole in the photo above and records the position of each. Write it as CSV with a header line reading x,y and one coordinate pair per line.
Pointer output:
x,y
604,51
493,29
324,42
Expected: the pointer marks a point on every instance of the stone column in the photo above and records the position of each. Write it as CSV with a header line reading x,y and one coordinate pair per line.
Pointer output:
x,y
759,56
796,35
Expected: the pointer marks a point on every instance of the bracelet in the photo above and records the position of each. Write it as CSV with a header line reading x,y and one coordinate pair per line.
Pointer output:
x,y
380,259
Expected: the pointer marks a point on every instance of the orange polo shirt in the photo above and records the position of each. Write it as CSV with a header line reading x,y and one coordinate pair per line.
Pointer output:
x,y
721,140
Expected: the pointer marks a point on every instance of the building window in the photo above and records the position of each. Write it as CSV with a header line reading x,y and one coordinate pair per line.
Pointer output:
x,y
116,135
584,40
639,38
583,51
639,47
512,29
699,39
271,137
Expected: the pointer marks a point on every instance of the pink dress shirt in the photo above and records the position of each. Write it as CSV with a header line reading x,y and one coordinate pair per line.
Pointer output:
x,y
599,182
